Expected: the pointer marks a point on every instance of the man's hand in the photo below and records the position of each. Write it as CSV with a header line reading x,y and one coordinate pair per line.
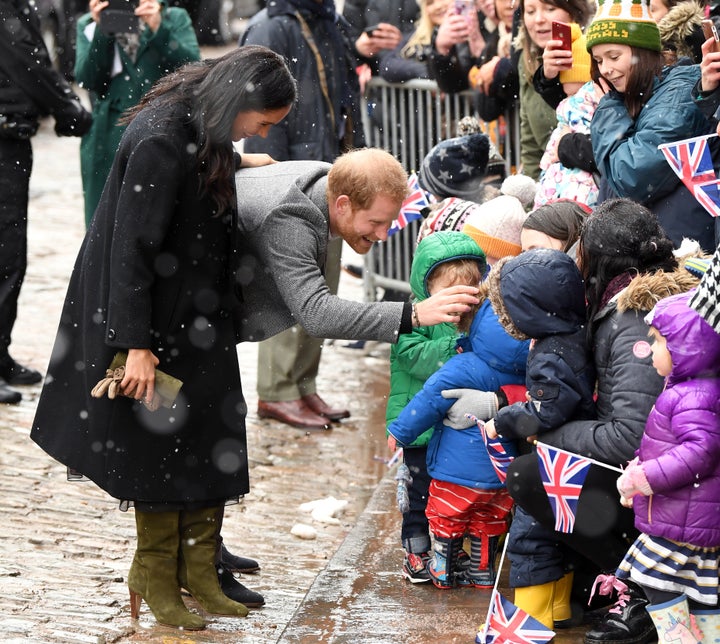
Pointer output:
x,y
446,305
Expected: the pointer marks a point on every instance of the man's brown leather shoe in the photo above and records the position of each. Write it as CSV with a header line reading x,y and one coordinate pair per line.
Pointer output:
x,y
320,407
292,412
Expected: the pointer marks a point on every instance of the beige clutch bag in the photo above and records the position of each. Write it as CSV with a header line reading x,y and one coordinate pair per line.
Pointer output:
x,y
166,387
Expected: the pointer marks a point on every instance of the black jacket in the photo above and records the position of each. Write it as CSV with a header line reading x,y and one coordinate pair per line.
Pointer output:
x,y
318,128
29,86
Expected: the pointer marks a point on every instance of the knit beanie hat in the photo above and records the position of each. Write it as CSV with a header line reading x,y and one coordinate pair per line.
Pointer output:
x,y
626,22
580,72
454,167
496,226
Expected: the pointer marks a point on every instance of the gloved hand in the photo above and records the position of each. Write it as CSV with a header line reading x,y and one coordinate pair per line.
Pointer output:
x,y
632,482
75,120
482,404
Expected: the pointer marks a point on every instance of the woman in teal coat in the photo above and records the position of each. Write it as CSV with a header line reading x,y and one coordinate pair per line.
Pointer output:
x,y
117,69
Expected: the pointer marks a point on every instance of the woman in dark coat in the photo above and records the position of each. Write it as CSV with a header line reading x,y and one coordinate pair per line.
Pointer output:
x,y
153,279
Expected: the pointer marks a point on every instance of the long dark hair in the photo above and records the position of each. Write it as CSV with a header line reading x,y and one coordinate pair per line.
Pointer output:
x,y
561,220
249,78
647,66
620,236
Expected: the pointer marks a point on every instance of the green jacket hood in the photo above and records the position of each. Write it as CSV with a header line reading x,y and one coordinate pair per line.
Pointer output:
x,y
436,249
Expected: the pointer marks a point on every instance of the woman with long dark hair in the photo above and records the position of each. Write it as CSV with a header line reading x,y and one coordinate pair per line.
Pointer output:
x,y
154,279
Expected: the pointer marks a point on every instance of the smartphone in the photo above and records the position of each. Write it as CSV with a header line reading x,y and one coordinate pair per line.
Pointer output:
x,y
371,30
709,30
119,17
561,31
464,7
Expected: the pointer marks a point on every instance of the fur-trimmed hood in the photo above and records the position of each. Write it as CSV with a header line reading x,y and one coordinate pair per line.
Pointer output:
x,y
680,29
537,294
645,291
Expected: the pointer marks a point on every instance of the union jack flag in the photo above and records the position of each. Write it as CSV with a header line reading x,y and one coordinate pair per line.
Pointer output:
x,y
692,162
563,475
411,208
499,458
508,624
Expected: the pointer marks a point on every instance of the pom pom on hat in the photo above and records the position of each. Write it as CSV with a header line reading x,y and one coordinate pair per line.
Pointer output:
x,y
625,22
521,186
580,71
454,167
496,226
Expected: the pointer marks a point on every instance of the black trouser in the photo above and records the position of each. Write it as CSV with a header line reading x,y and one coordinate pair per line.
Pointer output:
x,y
415,533
16,161
603,529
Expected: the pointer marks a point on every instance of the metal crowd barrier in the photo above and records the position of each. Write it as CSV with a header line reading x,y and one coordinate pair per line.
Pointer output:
x,y
408,120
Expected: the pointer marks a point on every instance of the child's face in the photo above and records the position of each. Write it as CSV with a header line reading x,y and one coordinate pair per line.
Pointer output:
x,y
661,359
440,282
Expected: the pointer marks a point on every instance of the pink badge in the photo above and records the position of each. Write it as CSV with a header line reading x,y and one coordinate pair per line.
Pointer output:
x,y
641,349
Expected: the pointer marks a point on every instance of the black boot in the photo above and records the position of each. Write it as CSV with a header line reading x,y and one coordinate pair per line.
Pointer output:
x,y
628,621
233,589
8,395
234,563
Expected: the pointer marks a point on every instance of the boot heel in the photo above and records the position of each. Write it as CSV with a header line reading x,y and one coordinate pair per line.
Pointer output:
x,y
135,601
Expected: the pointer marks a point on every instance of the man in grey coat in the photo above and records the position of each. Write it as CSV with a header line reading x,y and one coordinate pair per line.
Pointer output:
x,y
287,214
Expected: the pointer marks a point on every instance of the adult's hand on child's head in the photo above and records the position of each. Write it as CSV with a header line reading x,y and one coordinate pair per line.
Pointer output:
x,y
392,443
709,67
556,59
446,305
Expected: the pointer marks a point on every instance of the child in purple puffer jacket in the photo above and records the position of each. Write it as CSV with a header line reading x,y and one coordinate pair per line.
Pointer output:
x,y
673,484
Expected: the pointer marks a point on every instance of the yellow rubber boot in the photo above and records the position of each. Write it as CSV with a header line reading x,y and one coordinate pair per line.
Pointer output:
x,y
538,602
562,611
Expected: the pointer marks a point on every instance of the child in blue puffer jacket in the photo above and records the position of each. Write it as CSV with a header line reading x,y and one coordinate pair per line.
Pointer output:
x,y
465,494
442,259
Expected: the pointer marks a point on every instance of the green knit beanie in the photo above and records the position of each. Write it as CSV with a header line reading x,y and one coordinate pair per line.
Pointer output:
x,y
626,22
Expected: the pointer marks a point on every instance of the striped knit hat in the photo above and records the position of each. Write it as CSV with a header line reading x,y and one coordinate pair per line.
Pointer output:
x,y
626,22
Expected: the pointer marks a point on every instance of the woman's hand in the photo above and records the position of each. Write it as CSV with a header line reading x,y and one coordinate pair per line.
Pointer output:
x,y
709,67
385,36
255,160
482,80
490,430
96,7
446,305
139,380
453,29
555,59
150,12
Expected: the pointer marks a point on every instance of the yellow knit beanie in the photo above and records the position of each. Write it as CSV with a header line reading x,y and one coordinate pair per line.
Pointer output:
x,y
580,72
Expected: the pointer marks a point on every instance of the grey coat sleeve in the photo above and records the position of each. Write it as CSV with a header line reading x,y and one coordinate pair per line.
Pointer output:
x,y
293,249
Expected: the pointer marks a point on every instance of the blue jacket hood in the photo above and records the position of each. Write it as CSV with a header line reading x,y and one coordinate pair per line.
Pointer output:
x,y
538,294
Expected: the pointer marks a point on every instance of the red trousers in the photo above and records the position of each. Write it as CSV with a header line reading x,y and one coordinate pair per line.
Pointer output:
x,y
456,510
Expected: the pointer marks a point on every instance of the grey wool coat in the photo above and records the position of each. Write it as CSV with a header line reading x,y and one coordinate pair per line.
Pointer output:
x,y
284,231
153,272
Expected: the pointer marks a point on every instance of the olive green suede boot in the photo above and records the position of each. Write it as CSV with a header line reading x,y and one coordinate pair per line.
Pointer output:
x,y
153,573
196,571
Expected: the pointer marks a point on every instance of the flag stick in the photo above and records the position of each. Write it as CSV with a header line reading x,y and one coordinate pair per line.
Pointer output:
x,y
587,458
